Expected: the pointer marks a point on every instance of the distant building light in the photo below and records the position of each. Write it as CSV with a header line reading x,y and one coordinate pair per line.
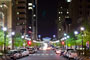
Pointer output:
x,y
69,0
59,29
30,8
30,27
29,4
66,16
61,7
34,6
59,17
17,13
67,12
34,15
59,12
1,6
54,36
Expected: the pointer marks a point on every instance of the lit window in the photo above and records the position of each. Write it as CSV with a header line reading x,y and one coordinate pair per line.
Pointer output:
x,y
69,0
30,8
66,16
59,12
23,23
34,6
17,13
29,4
59,17
59,29
61,7
34,15
67,12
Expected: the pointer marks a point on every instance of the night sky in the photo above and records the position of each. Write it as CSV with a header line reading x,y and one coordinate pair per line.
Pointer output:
x,y
47,13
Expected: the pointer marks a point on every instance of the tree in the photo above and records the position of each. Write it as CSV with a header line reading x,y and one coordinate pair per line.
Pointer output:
x,y
18,41
2,39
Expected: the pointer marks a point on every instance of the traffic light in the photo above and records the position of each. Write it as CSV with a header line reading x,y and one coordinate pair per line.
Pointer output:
x,y
29,42
63,43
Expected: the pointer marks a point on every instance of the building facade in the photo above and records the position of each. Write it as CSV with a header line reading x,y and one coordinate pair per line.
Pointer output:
x,y
63,17
80,13
20,15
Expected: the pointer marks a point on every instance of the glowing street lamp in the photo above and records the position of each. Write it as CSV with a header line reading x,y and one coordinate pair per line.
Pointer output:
x,y
22,37
82,30
4,29
13,33
68,36
75,32
65,34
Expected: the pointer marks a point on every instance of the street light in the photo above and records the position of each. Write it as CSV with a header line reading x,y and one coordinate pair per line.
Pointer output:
x,y
22,37
4,29
76,32
82,29
68,36
65,34
13,33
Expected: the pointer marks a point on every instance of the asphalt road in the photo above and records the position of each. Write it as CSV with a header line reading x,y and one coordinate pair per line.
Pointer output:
x,y
43,55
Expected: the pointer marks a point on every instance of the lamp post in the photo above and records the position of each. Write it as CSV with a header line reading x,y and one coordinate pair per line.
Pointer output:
x,y
12,35
75,32
4,29
22,40
82,30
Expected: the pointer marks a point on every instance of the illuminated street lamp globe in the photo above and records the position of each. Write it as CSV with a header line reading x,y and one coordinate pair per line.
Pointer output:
x,y
65,34
75,32
68,36
4,29
82,28
13,33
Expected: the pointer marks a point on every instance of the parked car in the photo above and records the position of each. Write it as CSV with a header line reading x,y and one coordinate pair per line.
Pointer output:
x,y
58,51
24,52
32,50
4,57
72,54
14,54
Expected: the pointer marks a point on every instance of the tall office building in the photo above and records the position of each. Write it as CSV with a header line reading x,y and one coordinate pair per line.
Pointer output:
x,y
63,17
80,13
19,15
32,19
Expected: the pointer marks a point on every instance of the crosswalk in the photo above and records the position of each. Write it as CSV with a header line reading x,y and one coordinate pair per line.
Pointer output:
x,y
41,54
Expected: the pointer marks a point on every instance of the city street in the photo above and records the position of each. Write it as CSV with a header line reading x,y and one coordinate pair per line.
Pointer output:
x,y
43,55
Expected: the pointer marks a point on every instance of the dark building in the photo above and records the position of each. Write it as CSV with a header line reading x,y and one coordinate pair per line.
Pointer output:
x,y
63,19
19,15
80,13
32,19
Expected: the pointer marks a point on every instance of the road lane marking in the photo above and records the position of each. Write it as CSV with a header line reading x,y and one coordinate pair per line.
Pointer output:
x,y
41,54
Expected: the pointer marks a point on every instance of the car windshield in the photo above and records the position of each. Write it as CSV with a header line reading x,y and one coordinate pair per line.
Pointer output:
x,y
23,49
